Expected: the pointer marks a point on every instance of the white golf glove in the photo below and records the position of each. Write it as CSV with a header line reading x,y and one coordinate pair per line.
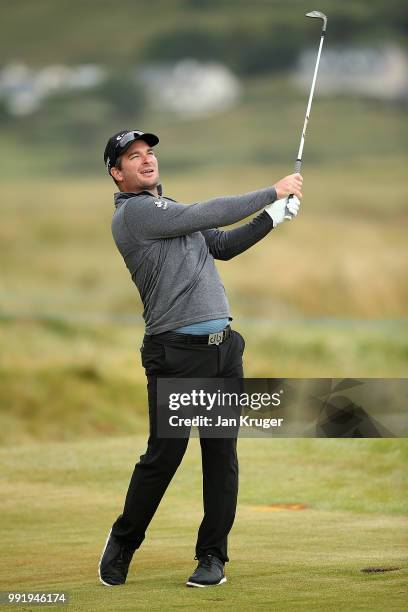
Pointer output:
x,y
278,210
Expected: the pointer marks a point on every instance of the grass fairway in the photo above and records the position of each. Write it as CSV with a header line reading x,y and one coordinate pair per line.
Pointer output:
x,y
59,499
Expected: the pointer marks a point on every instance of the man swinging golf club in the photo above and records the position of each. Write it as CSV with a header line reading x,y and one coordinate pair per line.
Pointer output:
x,y
169,249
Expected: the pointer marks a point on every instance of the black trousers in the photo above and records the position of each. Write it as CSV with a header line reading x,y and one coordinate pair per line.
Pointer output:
x,y
164,356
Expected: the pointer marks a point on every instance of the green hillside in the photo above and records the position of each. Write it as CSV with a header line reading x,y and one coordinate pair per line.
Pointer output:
x,y
100,31
261,132
257,40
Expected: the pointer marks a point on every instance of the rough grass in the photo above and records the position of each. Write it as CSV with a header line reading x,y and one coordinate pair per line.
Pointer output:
x,y
325,295
63,379
59,500
344,256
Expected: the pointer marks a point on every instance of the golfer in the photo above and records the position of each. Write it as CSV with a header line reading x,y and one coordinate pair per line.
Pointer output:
x,y
169,250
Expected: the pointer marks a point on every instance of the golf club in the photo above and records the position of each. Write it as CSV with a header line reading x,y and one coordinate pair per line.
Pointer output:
x,y
298,163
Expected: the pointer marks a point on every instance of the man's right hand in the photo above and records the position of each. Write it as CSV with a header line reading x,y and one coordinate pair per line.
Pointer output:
x,y
289,185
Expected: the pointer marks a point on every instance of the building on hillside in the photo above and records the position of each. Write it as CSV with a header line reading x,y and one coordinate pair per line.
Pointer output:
x,y
24,89
380,73
190,88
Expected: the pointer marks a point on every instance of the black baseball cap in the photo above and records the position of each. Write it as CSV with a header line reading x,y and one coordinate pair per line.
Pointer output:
x,y
119,142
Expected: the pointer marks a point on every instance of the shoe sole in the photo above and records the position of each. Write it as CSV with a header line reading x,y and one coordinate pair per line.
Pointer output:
x,y
100,561
195,584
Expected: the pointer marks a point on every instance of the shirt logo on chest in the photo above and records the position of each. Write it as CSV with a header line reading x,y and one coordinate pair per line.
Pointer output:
x,y
161,204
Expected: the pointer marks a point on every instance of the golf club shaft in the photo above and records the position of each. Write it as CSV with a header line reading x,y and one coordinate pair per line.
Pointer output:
x,y
298,163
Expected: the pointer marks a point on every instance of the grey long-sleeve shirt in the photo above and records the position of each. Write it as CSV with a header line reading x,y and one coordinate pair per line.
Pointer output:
x,y
169,249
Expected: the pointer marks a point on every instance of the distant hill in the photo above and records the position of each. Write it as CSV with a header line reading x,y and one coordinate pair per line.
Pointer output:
x,y
256,39
249,36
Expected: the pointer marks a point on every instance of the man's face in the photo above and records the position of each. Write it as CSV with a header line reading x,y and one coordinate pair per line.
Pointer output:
x,y
139,168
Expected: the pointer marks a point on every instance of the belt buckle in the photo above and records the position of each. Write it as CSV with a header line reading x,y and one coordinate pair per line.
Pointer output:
x,y
216,338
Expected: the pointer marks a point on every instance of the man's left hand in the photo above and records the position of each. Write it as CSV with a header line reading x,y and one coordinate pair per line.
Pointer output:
x,y
279,209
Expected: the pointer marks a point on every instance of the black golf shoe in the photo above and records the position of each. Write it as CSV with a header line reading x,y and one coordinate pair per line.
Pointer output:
x,y
209,572
115,561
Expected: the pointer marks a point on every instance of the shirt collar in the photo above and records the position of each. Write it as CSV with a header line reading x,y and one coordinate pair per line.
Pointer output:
x,y
119,196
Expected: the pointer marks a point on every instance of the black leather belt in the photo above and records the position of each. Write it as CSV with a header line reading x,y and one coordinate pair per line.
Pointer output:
x,y
215,338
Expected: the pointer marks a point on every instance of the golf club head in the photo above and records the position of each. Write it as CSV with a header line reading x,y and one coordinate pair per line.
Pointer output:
x,y
318,15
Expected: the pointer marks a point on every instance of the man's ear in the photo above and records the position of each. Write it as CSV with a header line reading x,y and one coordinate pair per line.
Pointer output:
x,y
116,174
